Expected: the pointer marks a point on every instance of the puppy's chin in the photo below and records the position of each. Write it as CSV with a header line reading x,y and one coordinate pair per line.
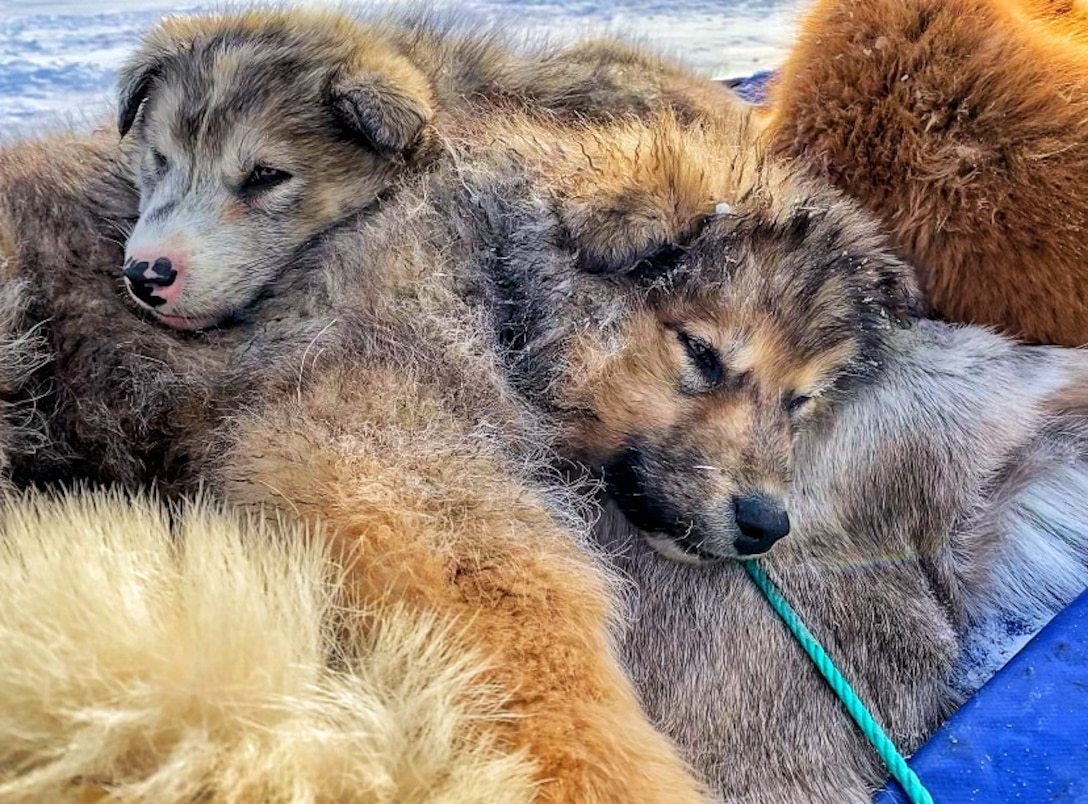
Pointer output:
x,y
670,549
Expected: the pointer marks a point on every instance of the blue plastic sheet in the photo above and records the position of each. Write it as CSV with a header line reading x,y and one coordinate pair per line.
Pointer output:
x,y
1024,735
751,88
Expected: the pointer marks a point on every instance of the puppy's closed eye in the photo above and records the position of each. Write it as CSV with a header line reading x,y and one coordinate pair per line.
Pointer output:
x,y
704,357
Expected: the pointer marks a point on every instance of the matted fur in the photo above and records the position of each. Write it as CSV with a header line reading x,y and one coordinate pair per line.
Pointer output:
x,y
961,124
350,393
490,278
260,130
413,375
159,657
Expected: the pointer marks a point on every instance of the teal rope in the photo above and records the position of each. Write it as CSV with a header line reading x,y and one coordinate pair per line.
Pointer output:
x,y
898,767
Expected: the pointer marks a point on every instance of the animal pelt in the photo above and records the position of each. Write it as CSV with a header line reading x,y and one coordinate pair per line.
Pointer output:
x,y
528,298
358,390
961,124
184,654
942,506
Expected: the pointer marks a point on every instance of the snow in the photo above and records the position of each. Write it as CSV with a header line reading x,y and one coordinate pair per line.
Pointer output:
x,y
59,58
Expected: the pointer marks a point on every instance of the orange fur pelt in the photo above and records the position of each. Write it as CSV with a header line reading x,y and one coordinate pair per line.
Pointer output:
x,y
963,124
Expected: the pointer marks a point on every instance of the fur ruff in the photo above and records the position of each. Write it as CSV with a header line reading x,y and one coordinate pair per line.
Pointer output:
x,y
963,124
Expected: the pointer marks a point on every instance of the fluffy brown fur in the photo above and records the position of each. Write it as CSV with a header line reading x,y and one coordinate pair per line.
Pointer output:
x,y
179,656
420,369
400,428
346,391
961,124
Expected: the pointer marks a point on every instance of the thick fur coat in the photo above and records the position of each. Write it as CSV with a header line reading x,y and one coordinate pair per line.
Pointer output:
x,y
594,293
69,202
961,125
940,508
165,655
528,298
934,475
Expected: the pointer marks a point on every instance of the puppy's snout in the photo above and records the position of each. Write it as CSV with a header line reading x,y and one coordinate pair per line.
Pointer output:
x,y
151,280
761,520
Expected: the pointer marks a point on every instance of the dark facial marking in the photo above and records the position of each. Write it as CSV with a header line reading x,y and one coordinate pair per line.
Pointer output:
x,y
704,357
261,179
628,479
794,402
160,213
658,264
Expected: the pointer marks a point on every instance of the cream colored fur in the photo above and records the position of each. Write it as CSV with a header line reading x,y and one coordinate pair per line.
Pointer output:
x,y
158,657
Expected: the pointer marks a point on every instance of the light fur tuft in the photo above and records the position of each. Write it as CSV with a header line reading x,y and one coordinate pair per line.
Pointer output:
x,y
151,660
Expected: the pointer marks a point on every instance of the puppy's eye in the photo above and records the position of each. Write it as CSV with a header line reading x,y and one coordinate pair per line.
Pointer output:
x,y
795,402
704,357
158,161
262,178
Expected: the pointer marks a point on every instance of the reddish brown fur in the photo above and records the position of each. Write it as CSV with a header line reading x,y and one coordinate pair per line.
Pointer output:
x,y
421,522
963,124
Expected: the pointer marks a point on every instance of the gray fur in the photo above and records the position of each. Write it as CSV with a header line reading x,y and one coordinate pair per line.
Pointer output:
x,y
937,505
123,400
933,448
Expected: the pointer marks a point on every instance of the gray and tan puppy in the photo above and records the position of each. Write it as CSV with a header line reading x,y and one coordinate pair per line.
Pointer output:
x,y
342,380
573,290
257,132
408,378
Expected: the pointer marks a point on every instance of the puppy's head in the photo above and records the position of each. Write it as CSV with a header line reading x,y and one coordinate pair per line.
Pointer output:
x,y
751,319
255,133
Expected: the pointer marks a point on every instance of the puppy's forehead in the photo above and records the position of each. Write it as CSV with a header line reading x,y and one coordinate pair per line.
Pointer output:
x,y
207,92
802,279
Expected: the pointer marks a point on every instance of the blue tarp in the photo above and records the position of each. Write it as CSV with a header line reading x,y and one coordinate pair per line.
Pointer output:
x,y
1024,735
752,88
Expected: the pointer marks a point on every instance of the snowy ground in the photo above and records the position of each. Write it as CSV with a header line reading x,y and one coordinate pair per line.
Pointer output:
x,y
58,58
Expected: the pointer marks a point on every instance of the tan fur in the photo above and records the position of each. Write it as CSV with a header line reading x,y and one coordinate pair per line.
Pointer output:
x,y
633,199
343,336
962,125
392,405
425,525
150,660
68,202
935,483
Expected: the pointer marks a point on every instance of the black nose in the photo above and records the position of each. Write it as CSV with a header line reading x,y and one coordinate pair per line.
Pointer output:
x,y
762,521
143,277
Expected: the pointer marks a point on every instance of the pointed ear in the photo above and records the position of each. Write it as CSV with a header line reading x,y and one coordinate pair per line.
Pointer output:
x,y
134,85
389,107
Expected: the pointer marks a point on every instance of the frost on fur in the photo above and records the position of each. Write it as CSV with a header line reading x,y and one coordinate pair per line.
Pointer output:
x,y
159,657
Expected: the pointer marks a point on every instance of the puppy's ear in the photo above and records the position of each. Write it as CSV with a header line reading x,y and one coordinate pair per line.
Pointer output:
x,y
135,81
388,104
634,202
631,235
